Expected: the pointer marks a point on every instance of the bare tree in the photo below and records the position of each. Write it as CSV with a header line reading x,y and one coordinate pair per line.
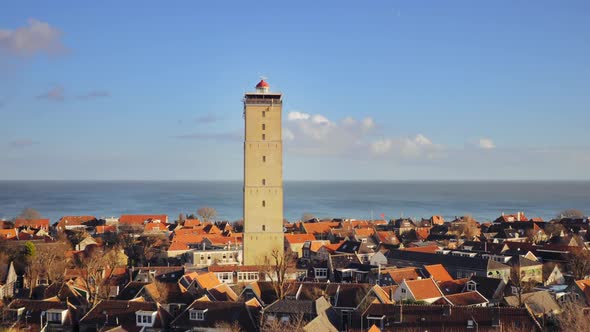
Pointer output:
x,y
573,318
570,213
29,214
150,246
207,213
96,269
579,263
295,323
228,327
275,267
553,229
521,284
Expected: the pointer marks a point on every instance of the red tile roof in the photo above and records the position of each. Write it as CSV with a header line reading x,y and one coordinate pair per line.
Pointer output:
x,y
427,249
74,220
423,289
298,238
467,298
35,223
406,273
140,219
319,227
8,233
438,272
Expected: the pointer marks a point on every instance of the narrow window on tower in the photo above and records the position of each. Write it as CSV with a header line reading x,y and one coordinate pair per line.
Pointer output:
x,y
263,227
264,182
263,137
263,126
263,114
263,203
263,159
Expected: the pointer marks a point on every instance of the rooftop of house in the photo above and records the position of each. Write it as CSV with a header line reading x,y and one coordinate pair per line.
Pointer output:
x,y
216,313
423,289
466,298
438,272
298,238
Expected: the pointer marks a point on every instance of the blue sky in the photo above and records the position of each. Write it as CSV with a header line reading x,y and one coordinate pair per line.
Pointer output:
x,y
376,90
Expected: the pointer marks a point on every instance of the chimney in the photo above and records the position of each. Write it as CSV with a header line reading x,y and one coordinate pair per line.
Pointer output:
x,y
518,216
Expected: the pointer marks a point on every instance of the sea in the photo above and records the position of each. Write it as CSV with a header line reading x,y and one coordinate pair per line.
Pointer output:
x,y
324,199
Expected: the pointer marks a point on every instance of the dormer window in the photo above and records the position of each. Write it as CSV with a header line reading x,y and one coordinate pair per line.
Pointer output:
x,y
197,314
145,318
471,286
55,315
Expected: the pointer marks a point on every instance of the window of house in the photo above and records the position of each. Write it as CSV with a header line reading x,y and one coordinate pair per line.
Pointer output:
x,y
263,114
264,182
263,137
263,227
263,203
197,314
403,291
471,286
54,317
263,126
263,159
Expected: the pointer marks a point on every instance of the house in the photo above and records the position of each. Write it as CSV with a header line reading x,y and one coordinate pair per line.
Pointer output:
x,y
310,248
491,288
33,223
394,317
8,280
141,219
469,299
459,266
527,269
36,315
234,274
582,291
541,303
327,319
74,222
127,315
295,242
424,290
437,272
394,276
552,275
320,230
209,315
9,234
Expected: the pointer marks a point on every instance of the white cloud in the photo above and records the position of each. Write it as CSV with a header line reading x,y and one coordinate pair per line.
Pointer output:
x,y
407,147
486,144
288,135
297,116
356,138
36,37
368,124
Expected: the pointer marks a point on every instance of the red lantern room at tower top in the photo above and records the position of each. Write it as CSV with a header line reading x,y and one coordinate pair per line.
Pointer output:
x,y
262,87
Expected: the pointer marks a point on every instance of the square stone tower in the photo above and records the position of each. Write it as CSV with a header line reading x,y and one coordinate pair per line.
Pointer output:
x,y
263,175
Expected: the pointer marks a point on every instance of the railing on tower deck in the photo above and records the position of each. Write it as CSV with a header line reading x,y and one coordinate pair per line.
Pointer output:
x,y
263,101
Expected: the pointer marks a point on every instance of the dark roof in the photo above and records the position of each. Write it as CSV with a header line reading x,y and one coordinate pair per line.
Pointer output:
x,y
218,312
114,313
522,261
342,261
467,298
445,318
34,308
131,290
421,258
349,247
306,307
486,286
